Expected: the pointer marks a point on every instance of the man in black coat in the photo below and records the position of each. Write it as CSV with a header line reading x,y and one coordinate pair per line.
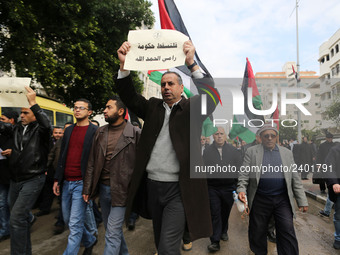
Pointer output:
x,y
169,138
5,146
27,163
332,173
320,159
221,189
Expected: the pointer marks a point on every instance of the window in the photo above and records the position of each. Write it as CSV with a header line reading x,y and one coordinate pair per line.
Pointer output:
x,y
337,48
62,118
327,57
49,115
332,53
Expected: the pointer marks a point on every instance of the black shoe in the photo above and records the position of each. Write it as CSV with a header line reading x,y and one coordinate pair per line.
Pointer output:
x,y
3,238
225,237
41,213
88,250
336,245
271,237
323,191
131,225
213,247
58,229
323,213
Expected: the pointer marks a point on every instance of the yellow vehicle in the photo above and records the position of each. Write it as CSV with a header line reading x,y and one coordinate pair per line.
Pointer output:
x,y
58,113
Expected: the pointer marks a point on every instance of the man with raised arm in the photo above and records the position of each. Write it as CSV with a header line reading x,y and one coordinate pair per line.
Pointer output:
x,y
27,162
161,187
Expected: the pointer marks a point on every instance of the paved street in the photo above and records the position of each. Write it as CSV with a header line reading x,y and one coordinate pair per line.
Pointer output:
x,y
315,235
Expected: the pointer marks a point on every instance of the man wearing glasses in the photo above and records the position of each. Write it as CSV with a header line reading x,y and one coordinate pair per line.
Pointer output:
x,y
74,154
271,190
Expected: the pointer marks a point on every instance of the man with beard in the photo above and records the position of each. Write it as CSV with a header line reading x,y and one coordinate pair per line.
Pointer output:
x,y
110,166
72,163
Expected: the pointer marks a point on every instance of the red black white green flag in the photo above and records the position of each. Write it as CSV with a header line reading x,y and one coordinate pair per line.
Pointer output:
x,y
241,127
171,19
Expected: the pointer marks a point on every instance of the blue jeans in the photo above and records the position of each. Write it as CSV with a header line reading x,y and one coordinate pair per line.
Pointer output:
x,y
4,210
74,207
336,219
328,206
22,198
90,221
113,218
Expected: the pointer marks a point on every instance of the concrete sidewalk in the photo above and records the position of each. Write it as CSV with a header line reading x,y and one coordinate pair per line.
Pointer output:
x,y
313,190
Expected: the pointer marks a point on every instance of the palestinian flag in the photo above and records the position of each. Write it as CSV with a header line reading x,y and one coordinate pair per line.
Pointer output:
x,y
171,19
275,117
244,131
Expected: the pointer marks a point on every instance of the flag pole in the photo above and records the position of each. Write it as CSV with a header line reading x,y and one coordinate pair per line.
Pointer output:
x,y
298,71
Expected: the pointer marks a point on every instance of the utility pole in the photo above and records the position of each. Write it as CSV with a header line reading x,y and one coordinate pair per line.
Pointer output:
x,y
298,71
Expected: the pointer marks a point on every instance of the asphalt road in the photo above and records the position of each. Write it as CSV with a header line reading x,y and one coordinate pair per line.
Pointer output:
x,y
314,233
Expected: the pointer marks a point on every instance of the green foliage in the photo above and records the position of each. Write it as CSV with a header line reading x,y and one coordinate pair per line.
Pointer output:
x,y
288,132
69,46
333,111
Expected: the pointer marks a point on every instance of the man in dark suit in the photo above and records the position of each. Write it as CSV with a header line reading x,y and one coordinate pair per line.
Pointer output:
x,y
162,169
221,189
72,163
332,173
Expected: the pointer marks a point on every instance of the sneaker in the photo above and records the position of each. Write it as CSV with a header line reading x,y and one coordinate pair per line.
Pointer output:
x,y
271,237
336,245
322,213
187,246
88,250
225,237
213,247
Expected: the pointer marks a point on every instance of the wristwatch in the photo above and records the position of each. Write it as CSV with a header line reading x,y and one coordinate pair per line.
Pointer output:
x,y
192,65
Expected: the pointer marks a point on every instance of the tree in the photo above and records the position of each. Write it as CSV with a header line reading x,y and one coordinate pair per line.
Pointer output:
x,y
333,111
288,132
69,46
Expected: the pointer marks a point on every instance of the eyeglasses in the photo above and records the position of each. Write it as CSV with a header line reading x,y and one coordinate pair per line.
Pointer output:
x,y
80,108
269,135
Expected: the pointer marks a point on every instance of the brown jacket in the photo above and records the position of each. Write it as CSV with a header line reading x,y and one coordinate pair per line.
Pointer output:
x,y
122,166
194,191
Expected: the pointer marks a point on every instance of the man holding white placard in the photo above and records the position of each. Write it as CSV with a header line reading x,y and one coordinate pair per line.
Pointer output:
x,y
27,163
161,187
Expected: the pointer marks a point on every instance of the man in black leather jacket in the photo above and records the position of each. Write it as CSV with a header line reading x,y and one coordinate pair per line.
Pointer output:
x,y
27,165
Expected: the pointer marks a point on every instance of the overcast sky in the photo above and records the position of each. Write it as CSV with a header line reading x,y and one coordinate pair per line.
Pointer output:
x,y
226,32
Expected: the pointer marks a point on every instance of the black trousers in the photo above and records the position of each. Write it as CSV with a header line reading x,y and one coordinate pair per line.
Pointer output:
x,y
221,202
264,206
47,196
168,217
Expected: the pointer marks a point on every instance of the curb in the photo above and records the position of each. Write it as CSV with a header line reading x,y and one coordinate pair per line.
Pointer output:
x,y
316,197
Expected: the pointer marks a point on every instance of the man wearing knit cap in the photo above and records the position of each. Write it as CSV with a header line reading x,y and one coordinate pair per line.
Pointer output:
x,y
270,184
